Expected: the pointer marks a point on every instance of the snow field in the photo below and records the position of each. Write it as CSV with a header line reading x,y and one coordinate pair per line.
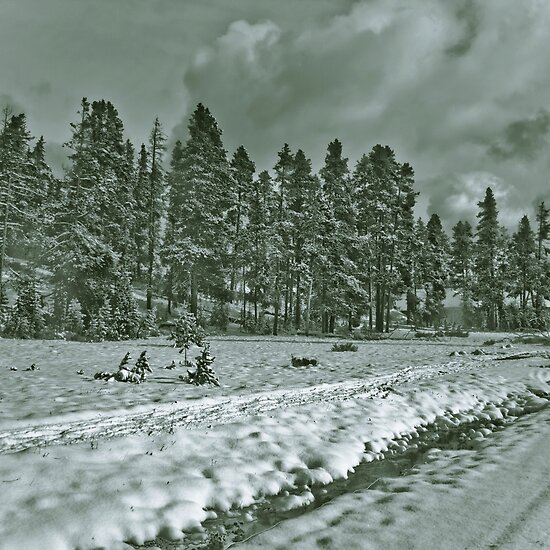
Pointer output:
x,y
243,367
137,487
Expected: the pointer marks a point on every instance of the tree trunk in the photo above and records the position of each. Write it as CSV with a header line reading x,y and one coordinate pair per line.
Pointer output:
x,y
388,312
4,237
298,309
308,315
194,302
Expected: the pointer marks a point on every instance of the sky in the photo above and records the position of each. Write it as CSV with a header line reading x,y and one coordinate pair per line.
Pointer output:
x,y
460,90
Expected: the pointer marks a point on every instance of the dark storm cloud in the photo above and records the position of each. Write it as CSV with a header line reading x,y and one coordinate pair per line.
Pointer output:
x,y
468,17
524,139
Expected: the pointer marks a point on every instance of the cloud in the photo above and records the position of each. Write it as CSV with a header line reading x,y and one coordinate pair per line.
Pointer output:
x,y
458,196
10,103
451,86
524,139
468,16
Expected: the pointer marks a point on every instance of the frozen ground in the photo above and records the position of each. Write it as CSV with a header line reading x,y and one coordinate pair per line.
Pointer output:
x,y
395,446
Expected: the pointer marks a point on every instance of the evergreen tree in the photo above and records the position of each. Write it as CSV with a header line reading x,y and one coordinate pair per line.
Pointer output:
x,y
280,253
19,191
90,229
154,203
542,281
242,172
523,270
385,200
176,283
340,286
141,212
436,269
303,201
201,228
26,317
462,266
257,239
489,261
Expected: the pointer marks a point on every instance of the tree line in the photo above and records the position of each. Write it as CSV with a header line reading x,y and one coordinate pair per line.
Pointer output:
x,y
290,249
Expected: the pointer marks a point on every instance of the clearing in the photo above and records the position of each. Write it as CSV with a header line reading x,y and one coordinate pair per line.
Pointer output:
x,y
397,445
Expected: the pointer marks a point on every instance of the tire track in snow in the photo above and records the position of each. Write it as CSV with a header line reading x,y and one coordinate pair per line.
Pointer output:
x,y
151,419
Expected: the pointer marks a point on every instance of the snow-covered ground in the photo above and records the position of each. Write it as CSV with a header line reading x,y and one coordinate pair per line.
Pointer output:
x,y
397,445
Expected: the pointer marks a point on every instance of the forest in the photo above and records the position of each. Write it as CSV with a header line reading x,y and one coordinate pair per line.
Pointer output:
x,y
277,251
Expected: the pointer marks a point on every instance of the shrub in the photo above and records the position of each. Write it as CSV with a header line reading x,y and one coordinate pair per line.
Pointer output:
x,y
303,361
345,346
186,332
219,317
457,333
203,373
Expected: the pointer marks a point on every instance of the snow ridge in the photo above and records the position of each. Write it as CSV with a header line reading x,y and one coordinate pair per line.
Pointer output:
x,y
164,417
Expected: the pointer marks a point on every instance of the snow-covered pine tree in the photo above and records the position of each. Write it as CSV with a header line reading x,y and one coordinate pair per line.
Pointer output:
x,y
436,269
155,200
384,200
124,316
187,333
340,289
201,228
20,192
141,193
257,239
26,317
142,366
203,373
490,259
462,267
176,281
74,320
280,254
242,176
303,203
542,286
90,231
150,323
523,273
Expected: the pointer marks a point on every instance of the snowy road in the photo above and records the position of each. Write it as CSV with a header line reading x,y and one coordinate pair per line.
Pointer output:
x,y
496,496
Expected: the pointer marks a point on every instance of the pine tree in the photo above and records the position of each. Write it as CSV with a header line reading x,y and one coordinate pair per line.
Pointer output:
x,y
90,229
462,266
141,212
26,318
418,268
437,269
176,281
18,189
523,269
303,201
542,281
201,229
242,172
385,201
340,286
154,203
489,261
280,256
257,239
186,333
